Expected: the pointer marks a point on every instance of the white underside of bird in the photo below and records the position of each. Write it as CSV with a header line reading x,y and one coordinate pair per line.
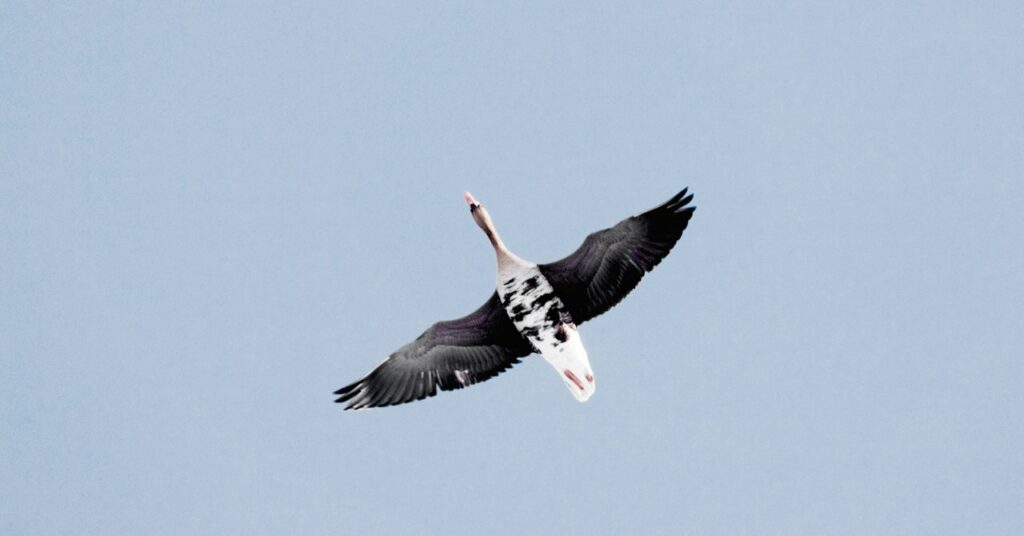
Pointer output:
x,y
541,317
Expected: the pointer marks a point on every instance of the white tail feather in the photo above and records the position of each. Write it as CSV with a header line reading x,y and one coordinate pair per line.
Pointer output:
x,y
570,360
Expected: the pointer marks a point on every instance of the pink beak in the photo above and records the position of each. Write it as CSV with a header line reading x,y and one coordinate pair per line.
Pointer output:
x,y
470,200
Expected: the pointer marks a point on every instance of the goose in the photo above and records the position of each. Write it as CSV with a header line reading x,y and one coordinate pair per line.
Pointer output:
x,y
536,308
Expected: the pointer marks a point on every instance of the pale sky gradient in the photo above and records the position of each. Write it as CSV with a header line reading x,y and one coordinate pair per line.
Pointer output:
x,y
214,217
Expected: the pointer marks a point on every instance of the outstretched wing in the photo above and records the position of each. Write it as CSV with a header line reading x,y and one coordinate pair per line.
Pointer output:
x,y
610,263
451,355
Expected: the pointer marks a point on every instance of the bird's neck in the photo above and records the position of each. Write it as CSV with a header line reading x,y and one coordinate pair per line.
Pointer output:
x,y
495,238
504,256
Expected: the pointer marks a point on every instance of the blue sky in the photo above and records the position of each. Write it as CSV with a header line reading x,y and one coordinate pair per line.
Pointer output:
x,y
215,216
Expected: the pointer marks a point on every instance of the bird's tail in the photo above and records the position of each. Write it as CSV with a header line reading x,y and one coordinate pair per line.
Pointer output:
x,y
572,364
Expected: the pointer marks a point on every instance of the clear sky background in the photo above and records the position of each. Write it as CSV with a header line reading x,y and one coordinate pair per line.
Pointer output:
x,y
213,217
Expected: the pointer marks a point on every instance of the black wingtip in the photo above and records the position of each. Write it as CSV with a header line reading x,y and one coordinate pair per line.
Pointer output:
x,y
682,204
674,199
677,204
349,391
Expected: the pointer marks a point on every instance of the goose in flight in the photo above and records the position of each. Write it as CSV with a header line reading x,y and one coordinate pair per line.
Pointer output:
x,y
536,308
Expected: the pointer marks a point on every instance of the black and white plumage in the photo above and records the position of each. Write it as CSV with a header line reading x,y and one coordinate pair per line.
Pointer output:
x,y
536,308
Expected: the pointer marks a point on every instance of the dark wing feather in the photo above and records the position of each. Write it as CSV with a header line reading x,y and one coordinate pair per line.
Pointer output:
x,y
610,263
451,355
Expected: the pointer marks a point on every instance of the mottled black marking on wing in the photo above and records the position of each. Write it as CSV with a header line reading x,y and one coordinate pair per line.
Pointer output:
x,y
610,263
480,345
531,332
553,316
560,334
540,301
519,312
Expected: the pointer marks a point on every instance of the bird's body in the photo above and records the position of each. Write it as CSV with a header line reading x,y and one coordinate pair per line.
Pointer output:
x,y
541,317
536,308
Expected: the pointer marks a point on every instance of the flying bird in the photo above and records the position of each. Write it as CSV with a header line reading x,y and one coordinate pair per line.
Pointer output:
x,y
536,308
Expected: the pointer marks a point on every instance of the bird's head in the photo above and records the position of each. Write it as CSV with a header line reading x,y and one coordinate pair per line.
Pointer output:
x,y
480,215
